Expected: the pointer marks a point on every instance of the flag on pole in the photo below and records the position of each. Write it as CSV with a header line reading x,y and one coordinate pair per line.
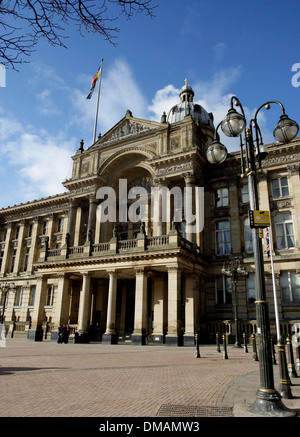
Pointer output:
x,y
94,81
268,242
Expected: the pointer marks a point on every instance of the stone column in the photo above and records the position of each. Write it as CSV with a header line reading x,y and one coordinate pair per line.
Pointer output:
x,y
157,208
159,305
190,308
190,207
19,254
71,220
92,216
36,331
34,244
173,337
110,335
84,308
61,304
139,335
5,261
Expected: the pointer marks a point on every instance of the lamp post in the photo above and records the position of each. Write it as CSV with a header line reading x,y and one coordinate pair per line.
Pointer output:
x,y
232,268
5,289
268,400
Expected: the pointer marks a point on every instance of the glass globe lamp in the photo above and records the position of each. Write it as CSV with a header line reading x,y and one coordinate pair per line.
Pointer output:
x,y
233,124
216,153
286,129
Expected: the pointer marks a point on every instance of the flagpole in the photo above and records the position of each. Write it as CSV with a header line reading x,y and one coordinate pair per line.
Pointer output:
x,y
96,116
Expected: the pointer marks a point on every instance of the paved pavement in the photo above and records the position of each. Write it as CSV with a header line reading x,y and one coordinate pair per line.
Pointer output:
x,y
53,380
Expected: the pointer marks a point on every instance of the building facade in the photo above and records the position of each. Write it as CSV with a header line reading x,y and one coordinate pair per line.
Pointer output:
x,y
155,278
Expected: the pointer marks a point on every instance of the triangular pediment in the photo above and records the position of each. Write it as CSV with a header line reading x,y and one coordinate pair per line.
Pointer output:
x,y
127,127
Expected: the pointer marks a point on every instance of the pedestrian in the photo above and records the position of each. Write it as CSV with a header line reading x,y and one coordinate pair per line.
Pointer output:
x,y
59,333
64,334
68,332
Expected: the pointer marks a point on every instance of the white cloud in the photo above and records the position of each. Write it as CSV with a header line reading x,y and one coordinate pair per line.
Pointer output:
x,y
46,103
35,163
163,101
119,91
41,159
220,50
213,95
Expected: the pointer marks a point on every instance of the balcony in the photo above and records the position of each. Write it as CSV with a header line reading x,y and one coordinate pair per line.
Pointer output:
x,y
115,247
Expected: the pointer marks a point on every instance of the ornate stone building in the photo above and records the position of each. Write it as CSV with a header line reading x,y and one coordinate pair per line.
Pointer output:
x,y
150,280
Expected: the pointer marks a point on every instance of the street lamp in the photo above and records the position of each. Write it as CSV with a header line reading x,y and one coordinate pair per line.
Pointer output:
x,y
232,269
268,401
5,289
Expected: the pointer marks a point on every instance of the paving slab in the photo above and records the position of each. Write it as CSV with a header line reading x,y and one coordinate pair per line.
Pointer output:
x,y
51,380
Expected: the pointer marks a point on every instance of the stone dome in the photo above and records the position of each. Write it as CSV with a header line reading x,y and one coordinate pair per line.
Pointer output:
x,y
188,107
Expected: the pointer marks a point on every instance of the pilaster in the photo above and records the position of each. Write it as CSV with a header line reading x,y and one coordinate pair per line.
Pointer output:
x,y
36,331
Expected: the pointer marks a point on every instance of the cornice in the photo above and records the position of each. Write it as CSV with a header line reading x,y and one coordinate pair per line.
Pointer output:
x,y
34,207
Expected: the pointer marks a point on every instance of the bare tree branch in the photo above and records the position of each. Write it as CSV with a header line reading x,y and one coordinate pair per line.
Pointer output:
x,y
24,22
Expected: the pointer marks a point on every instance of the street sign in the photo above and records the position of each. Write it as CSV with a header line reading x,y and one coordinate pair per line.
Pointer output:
x,y
259,219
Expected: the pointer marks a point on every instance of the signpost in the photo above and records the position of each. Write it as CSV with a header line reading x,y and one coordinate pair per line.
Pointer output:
x,y
259,219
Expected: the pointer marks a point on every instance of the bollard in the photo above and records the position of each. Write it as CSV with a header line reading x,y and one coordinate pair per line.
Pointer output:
x,y
218,342
273,350
245,343
197,352
225,356
284,379
254,356
291,362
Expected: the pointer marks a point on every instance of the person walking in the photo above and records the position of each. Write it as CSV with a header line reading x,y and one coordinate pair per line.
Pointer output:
x,y
59,333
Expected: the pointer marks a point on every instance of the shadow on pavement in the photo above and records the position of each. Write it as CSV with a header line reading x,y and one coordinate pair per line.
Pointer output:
x,y
12,370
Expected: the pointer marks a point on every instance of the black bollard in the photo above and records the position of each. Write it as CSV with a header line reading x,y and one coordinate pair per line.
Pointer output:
x,y
273,350
245,343
291,362
197,352
284,379
254,356
225,356
218,342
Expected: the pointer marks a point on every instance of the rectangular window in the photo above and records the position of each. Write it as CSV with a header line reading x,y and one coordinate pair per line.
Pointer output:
x,y
32,296
18,296
13,259
30,227
60,225
223,290
50,295
290,287
223,240
280,187
284,231
248,236
245,193
1,258
4,235
26,259
45,228
251,288
17,233
2,294
221,197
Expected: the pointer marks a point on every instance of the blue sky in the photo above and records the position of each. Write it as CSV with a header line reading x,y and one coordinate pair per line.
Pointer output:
x,y
228,48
